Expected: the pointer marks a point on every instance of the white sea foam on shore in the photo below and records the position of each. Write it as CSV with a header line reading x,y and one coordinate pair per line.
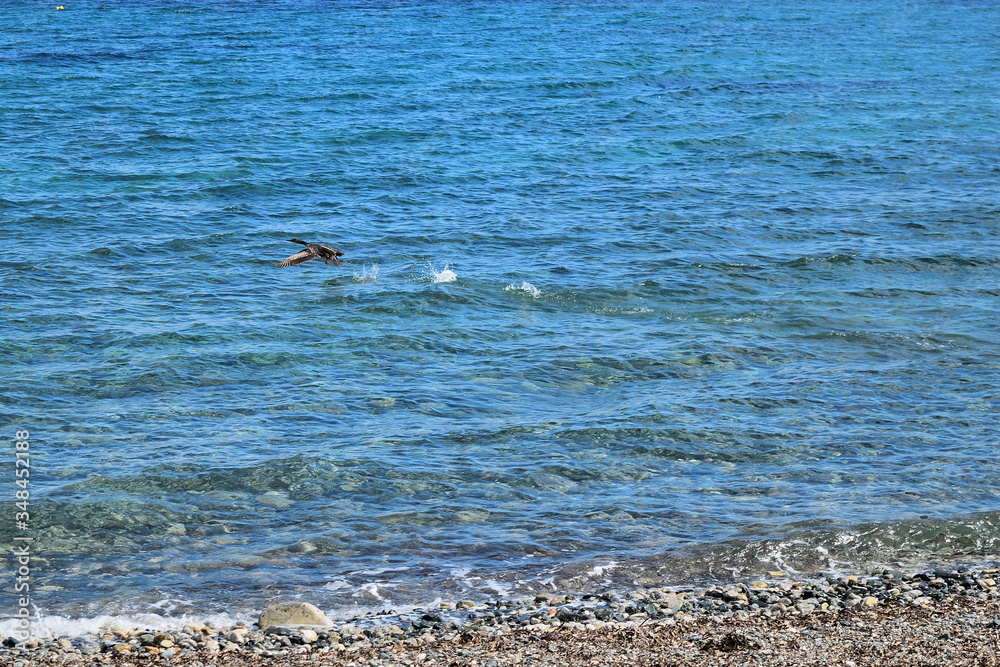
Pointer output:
x,y
47,626
600,570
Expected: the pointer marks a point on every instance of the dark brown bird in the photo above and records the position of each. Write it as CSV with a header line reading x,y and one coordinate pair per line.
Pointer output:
x,y
312,251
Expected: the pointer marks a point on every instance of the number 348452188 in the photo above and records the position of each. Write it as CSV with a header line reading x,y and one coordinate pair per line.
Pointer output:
x,y
22,473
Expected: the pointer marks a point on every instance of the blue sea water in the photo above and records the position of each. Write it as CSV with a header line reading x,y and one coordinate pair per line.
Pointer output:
x,y
634,293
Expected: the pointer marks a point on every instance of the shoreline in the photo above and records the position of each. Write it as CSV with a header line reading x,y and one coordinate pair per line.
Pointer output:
x,y
946,617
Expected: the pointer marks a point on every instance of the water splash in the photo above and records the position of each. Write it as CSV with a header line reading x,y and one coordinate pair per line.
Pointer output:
x,y
445,275
525,286
369,274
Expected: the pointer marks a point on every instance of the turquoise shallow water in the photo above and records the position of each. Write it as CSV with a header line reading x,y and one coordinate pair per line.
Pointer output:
x,y
633,293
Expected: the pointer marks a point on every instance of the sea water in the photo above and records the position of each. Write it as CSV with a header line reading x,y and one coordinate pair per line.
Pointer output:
x,y
633,293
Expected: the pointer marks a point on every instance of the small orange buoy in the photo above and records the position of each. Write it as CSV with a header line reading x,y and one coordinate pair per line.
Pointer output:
x,y
60,7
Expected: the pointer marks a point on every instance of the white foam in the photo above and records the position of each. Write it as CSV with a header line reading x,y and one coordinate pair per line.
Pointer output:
x,y
445,275
382,570
525,286
502,590
599,570
336,585
369,274
372,589
43,626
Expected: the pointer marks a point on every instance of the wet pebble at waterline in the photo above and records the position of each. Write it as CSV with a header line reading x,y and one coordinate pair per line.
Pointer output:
x,y
404,639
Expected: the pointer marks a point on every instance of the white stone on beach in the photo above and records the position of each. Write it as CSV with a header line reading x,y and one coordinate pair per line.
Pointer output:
x,y
238,636
292,614
671,601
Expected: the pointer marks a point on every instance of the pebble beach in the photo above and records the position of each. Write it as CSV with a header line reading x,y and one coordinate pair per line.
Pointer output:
x,y
933,617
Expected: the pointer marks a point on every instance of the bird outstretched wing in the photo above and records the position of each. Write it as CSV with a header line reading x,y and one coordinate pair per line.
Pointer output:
x,y
297,258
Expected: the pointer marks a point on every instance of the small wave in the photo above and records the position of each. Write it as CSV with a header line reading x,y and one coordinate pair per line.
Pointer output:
x,y
639,310
369,274
43,626
371,589
525,286
445,275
